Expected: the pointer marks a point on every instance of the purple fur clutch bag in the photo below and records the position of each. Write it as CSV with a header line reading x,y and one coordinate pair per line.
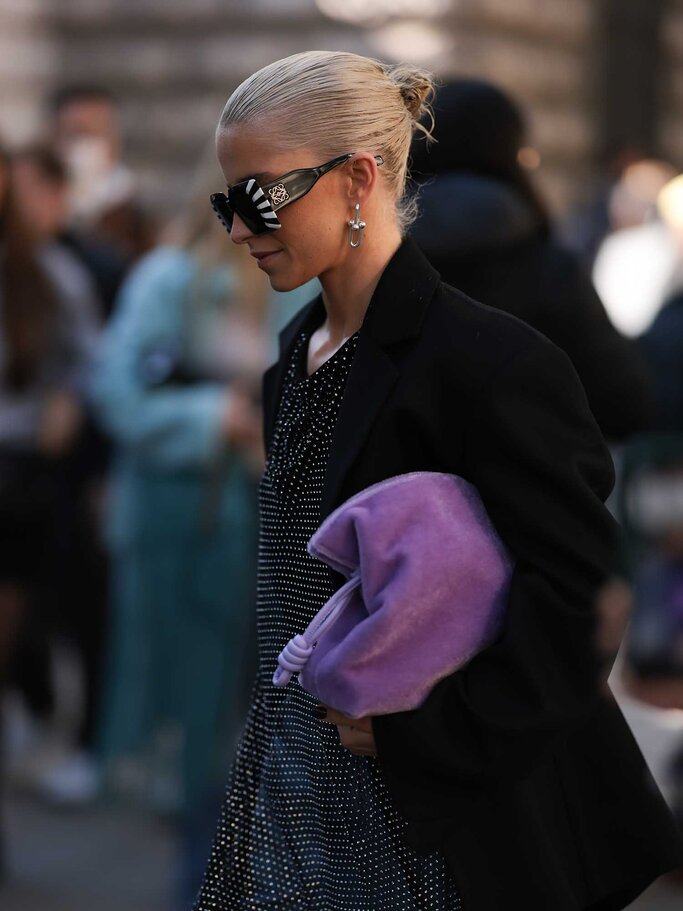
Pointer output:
x,y
427,587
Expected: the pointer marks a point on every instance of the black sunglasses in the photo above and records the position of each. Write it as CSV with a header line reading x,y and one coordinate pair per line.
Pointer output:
x,y
256,205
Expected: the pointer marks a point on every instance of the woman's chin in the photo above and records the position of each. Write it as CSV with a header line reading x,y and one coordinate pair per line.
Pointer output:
x,y
280,284
285,283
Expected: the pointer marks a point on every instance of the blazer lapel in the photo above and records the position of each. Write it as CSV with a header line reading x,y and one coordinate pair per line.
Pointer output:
x,y
395,313
370,379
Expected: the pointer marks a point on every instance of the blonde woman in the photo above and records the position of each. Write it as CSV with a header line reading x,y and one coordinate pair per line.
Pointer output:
x,y
517,783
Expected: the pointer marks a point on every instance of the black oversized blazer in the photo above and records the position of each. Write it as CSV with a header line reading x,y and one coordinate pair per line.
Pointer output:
x,y
520,766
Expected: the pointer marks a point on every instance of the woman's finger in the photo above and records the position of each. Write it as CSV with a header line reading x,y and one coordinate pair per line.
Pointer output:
x,y
357,741
355,734
335,717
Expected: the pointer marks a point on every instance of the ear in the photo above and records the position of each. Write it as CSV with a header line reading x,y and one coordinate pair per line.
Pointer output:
x,y
362,170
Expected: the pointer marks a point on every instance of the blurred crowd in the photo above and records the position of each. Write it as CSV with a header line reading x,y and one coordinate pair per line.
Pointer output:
x,y
131,354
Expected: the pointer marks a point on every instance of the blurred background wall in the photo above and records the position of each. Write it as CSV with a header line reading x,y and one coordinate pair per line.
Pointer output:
x,y
598,76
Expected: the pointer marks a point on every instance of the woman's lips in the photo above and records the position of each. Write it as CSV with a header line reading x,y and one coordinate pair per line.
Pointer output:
x,y
264,258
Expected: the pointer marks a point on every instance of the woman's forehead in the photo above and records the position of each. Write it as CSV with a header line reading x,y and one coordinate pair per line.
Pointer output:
x,y
245,152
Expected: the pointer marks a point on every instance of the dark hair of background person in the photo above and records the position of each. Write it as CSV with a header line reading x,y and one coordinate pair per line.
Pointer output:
x,y
478,128
29,302
104,263
69,94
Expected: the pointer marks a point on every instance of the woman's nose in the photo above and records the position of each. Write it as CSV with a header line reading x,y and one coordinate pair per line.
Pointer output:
x,y
239,232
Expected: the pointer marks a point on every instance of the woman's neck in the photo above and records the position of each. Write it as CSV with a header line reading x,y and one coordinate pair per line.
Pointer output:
x,y
349,286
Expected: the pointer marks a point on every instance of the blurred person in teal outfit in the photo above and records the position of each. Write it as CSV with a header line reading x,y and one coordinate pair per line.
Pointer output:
x,y
178,387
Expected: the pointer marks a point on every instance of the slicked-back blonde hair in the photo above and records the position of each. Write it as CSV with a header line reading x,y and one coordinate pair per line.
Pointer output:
x,y
336,102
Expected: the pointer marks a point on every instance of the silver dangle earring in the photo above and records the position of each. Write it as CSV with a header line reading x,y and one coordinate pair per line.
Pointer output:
x,y
356,225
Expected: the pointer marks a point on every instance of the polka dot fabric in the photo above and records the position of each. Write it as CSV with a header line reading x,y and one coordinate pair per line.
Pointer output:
x,y
306,825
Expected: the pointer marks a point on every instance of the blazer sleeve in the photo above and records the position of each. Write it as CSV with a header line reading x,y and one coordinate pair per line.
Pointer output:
x,y
543,470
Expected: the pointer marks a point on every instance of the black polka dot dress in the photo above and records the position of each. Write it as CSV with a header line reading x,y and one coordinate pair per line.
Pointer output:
x,y
306,825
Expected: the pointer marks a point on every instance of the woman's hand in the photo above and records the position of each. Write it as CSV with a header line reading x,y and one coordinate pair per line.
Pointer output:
x,y
355,733
242,426
241,420
60,423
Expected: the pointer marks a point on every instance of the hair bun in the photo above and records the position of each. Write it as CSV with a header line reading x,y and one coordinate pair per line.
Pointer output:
x,y
413,97
415,86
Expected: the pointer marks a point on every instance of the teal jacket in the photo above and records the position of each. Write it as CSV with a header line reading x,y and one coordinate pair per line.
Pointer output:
x,y
181,528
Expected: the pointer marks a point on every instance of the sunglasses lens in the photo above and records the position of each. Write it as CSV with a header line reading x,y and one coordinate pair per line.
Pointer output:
x,y
251,204
223,209
253,207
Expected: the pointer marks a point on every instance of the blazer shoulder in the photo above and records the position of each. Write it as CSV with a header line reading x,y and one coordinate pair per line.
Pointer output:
x,y
476,338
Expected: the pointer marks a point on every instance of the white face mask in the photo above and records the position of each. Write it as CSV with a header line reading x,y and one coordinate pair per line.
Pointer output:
x,y
95,181
87,158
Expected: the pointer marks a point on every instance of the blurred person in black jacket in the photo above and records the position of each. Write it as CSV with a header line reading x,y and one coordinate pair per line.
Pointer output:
x,y
484,227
